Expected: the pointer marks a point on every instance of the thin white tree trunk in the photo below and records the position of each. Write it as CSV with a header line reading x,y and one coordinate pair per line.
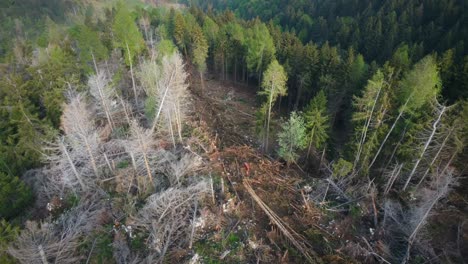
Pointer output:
x,y
91,157
428,142
413,235
101,95
171,129
435,158
72,165
390,131
131,73
364,132
268,119
162,104
396,171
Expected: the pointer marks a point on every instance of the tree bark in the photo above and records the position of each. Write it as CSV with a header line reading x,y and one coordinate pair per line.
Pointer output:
x,y
131,73
428,142
390,131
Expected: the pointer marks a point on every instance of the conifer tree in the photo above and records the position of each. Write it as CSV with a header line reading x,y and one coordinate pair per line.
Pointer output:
x,y
370,110
199,51
274,85
128,38
260,48
292,138
316,121
418,87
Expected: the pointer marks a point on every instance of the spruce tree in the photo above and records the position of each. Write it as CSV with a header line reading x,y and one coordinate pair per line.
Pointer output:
x,y
317,122
292,138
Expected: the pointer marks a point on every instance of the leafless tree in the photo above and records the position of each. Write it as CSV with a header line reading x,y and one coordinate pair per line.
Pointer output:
x,y
57,242
64,169
166,216
104,95
172,95
178,167
441,185
79,128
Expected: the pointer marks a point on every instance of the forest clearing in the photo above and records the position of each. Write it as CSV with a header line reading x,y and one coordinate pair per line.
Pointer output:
x,y
233,131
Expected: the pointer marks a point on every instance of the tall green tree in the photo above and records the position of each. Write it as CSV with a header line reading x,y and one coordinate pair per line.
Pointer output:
x,y
199,51
128,38
274,85
260,48
369,112
419,86
317,122
88,45
292,138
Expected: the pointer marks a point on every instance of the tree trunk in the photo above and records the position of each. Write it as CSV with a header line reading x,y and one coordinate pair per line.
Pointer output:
x,y
389,132
72,165
91,156
131,73
310,143
364,132
428,142
298,96
435,158
202,81
268,119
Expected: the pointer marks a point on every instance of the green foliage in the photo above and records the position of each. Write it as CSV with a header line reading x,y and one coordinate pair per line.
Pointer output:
x,y
166,48
317,121
292,138
8,233
341,168
210,29
260,47
14,196
199,48
89,45
420,85
369,112
274,82
179,31
127,37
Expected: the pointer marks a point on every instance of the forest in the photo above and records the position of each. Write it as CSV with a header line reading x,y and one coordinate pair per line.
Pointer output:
x,y
151,131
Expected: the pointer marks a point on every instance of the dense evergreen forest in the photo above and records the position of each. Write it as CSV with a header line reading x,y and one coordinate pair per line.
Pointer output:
x,y
233,131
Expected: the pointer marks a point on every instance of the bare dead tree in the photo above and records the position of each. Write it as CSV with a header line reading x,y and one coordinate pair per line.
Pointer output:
x,y
441,185
139,146
172,95
166,216
57,242
392,175
78,124
64,170
176,168
104,94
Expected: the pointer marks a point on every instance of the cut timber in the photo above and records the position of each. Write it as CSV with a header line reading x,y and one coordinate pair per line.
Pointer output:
x,y
296,239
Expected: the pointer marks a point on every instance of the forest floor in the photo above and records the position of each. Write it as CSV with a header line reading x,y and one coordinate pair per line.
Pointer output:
x,y
261,209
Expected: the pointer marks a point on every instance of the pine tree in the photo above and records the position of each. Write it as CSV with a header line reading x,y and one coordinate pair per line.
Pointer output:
x,y
292,138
